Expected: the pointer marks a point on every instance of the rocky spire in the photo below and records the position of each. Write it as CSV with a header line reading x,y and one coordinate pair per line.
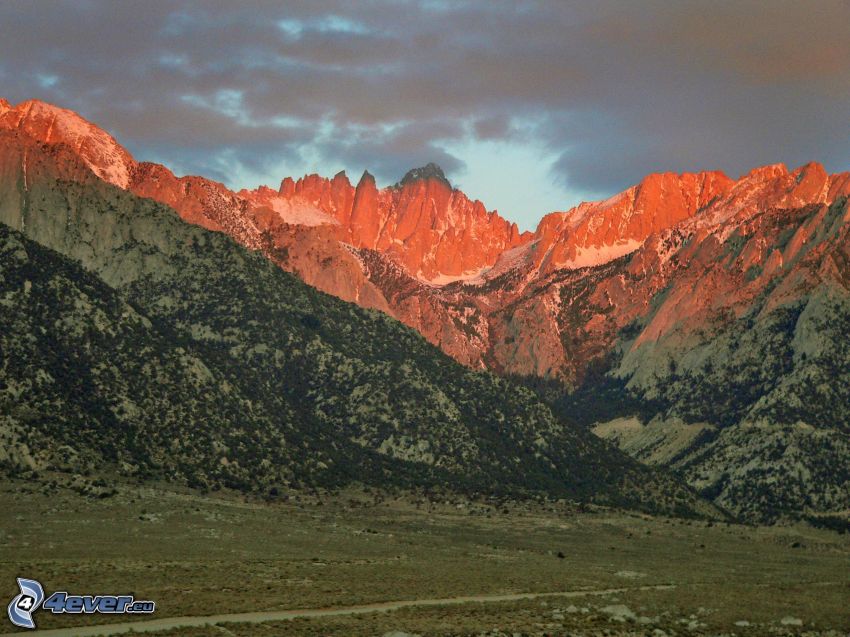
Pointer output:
x,y
429,171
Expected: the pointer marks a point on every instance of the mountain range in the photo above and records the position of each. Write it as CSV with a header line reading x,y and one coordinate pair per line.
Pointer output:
x,y
139,346
696,320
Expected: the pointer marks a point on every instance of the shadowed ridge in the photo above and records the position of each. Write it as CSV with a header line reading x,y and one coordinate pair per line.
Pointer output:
x,y
428,171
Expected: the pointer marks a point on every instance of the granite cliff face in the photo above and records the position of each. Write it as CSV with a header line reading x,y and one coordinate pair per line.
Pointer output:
x,y
51,124
136,344
422,251
432,230
701,306
462,276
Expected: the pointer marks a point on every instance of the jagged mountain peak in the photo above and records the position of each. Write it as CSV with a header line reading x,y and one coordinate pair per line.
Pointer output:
x,y
677,263
130,247
810,170
428,171
766,172
437,234
367,177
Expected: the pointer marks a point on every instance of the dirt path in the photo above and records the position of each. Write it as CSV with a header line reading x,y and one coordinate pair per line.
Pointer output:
x,y
168,623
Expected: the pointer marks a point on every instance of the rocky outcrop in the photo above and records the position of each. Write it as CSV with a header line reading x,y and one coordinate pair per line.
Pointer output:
x,y
428,171
690,303
595,233
424,225
51,124
464,277
182,357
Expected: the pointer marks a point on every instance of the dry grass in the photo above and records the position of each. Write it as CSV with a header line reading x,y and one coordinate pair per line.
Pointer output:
x,y
198,555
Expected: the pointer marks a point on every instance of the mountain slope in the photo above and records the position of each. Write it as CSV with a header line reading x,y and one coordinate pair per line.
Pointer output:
x,y
203,361
700,305
738,362
423,252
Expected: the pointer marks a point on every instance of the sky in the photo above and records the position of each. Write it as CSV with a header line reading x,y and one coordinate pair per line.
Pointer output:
x,y
528,106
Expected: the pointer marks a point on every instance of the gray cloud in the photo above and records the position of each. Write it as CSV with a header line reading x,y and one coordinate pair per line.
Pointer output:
x,y
391,154
615,90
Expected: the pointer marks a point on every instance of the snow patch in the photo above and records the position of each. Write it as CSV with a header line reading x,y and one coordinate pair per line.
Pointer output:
x,y
508,260
512,259
474,277
589,257
589,211
298,212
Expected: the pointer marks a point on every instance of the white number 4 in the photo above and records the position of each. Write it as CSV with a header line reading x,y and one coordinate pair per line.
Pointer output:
x,y
25,602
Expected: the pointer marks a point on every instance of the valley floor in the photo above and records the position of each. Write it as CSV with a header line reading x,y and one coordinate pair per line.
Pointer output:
x,y
622,574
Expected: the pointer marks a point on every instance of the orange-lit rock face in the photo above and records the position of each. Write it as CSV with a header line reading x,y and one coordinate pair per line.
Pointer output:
x,y
193,197
50,124
543,303
775,186
433,231
594,233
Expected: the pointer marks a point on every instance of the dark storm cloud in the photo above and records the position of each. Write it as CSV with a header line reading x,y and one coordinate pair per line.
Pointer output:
x,y
615,90
392,153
